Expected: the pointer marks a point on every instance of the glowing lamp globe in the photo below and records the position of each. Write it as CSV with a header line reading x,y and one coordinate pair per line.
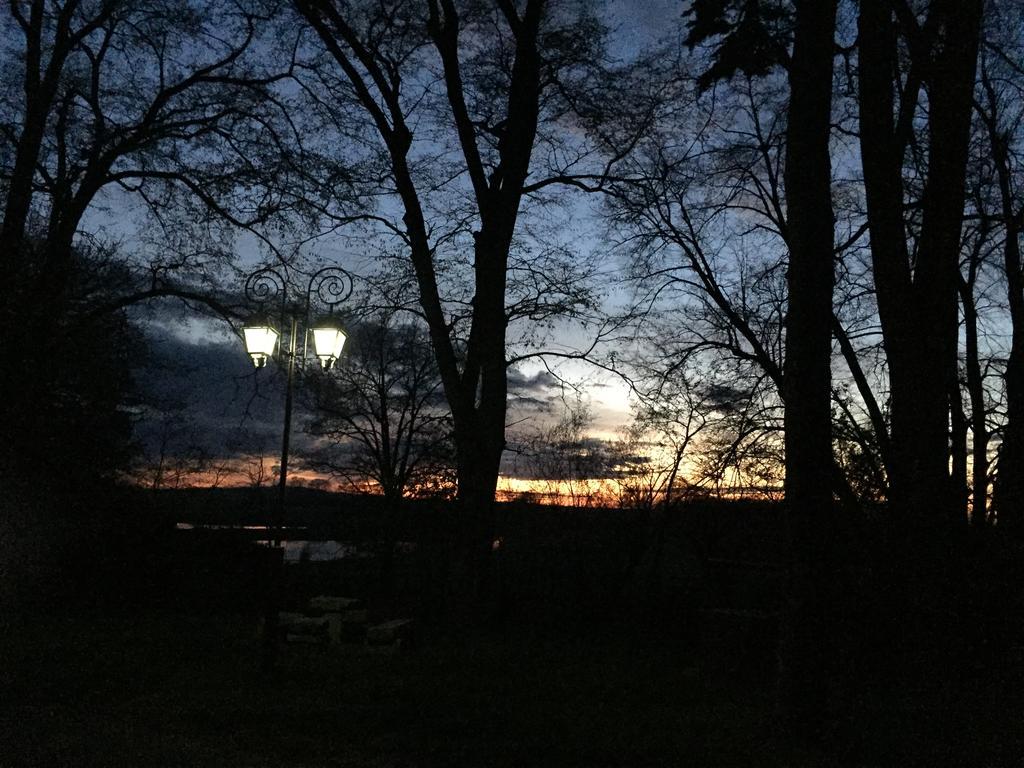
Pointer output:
x,y
260,340
328,340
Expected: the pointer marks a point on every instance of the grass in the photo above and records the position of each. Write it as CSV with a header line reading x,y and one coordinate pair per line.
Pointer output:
x,y
177,690
166,690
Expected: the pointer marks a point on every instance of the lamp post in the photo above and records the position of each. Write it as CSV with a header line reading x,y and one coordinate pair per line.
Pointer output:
x,y
331,286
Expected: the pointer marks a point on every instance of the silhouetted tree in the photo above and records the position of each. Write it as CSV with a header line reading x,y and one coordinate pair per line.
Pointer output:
x,y
177,458
977,247
177,106
917,291
473,108
998,109
753,37
384,412
670,416
563,457
807,649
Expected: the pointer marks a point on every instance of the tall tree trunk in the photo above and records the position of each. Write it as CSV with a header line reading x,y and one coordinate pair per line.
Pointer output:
x,y
917,301
480,437
976,393
918,308
882,158
951,89
477,465
958,448
804,651
44,64
1008,489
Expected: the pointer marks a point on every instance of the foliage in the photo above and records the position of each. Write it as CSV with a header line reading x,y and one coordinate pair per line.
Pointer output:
x,y
66,413
751,36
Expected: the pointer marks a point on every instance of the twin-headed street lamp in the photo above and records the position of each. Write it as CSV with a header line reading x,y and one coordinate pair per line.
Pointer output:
x,y
261,336
331,286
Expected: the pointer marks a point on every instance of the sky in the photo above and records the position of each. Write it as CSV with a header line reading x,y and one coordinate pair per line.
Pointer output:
x,y
200,393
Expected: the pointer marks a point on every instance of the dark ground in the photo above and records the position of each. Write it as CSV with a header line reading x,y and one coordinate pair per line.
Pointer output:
x,y
149,656
176,690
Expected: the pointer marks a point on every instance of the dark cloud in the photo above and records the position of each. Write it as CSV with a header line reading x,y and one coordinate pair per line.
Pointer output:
x,y
535,392
525,385
197,386
204,393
